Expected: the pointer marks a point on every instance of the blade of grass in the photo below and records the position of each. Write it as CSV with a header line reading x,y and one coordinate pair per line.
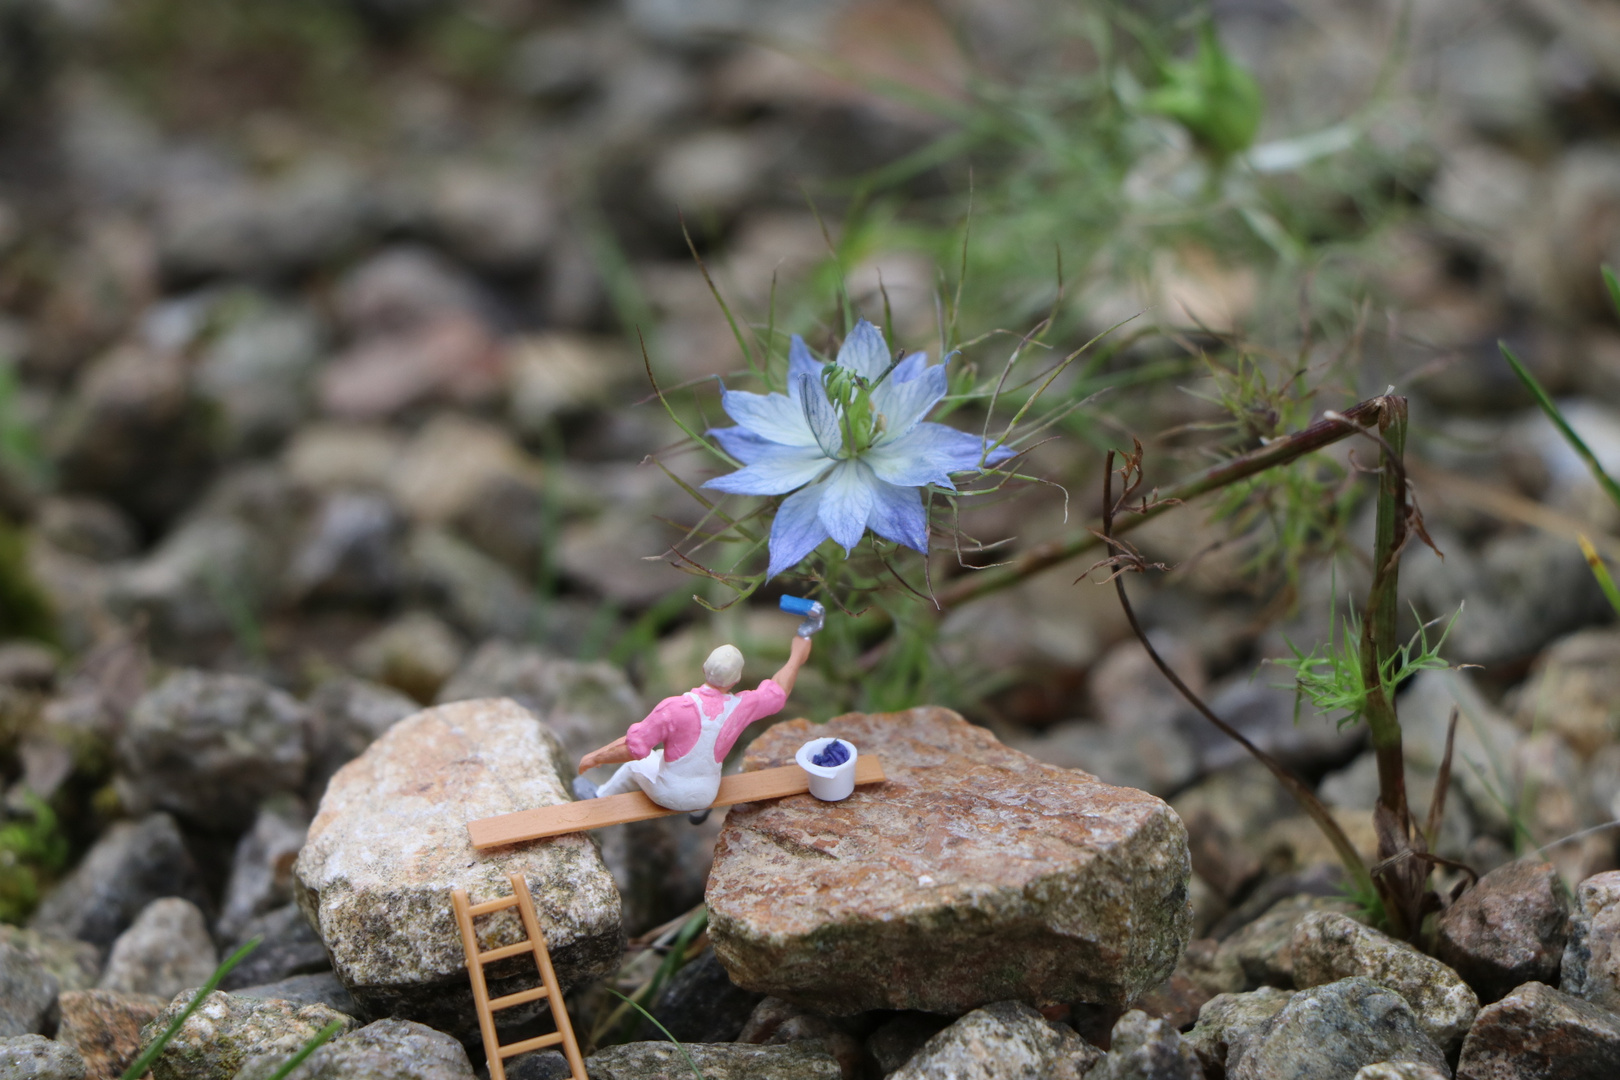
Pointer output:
x,y
143,1062
1601,572
1605,481
307,1049
687,1054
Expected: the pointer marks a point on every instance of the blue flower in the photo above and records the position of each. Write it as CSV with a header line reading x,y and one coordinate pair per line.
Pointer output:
x,y
849,441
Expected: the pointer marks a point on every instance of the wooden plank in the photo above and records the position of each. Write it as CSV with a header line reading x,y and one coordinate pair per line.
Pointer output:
x,y
587,814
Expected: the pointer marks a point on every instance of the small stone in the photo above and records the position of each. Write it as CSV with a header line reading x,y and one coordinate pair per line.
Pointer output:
x,y
1591,962
327,457
104,1026
1538,1033
1572,691
1329,1032
555,375
165,951
1263,950
449,462
290,947
25,665
415,653
186,587
451,357
255,372
472,590
1402,1070
27,991
225,1031
1005,1039
701,1004
496,220
34,1057
1328,946
775,1022
716,1061
385,1050
350,714
1508,929
261,869
899,897
1231,1023
90,528
75,965
134,863
390,843
350,552
400,287
897,1040
1145,1048
211,748
322,988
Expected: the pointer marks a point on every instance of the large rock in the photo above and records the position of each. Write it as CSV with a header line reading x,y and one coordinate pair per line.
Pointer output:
x,y
166,951
1508,929
715,1061
104,1026
1005,1041
1329,1032
1591,967
390,843
1329,947
975,874
34,1057
134,863
386,1050
226,1030
1538,1033
210,748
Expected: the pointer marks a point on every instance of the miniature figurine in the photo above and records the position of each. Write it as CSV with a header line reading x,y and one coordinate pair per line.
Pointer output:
x,y
697,730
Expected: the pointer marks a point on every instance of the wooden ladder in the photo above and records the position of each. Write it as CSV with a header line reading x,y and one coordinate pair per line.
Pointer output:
x,y
548,989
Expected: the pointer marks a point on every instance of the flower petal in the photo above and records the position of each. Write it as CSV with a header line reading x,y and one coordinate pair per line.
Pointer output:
x,y
897,514
797,529
774,470
927,454
776,417
740,443
848,501
800,363
819,415
865,352
904,401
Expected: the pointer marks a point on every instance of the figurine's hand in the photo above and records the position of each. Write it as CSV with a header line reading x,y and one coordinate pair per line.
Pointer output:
x,y
799,651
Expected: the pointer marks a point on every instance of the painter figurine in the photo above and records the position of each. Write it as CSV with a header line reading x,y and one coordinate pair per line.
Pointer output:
x,y
675,754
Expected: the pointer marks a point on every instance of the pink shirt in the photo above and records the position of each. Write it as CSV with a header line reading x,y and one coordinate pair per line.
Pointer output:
x,y
675,722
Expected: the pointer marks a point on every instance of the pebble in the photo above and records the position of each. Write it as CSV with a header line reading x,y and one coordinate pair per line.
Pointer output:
x,y
1328,946
1329,1032
226,1030
104,1026
166,950
290,947
700,1004
1402,1070
470,589
1004,1039
775,1022
452,358
386,1050
414,653
256,371
1510,928
321,988
349,553
1537,1032
261,868
556,375
390,841
27,991
1145,1048
447,465
1078,889
75,965
191,586
1572,690
497,220
1262,952
1591,961
1231,1023
210,748
34,1057
715,1061
90,528
349,715
399,287
134,863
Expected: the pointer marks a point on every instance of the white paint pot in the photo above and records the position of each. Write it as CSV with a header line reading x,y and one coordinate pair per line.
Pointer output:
x,y
828,785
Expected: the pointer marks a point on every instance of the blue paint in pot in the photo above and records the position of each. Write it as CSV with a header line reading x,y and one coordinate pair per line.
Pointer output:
x,y
831,756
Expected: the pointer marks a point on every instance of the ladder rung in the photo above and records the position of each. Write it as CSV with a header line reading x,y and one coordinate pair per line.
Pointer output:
x,y
492,905
520,998
504,951
537,1043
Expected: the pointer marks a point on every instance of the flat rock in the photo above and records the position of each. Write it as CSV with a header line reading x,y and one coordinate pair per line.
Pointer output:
x,y
716,1061
385,1050
1329,947
134,863
1004,1041
390,843
975,874
226,1030
1329,1032
1143,1047
1508,929
104,1026
165,951
1591,965
1229,1024
34,1057
1538,1033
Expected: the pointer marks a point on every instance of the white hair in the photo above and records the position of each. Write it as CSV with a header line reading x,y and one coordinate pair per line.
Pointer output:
x,y
723,667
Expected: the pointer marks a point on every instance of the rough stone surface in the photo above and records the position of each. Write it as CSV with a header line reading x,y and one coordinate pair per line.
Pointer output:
x,y
390,842
1541,1033
1402,1070
898,1039
1230,1023
290,947
261,870
716,1061
1508,929
1329,1032
350,714
322,988
1262,952
1145,1048
75,965
1591,966
775,1022
134,863
34,1057
1004,1041
385,1050
26,992
210,748
165,951
975,874
226,1030
104,1026
1328,947
702,1004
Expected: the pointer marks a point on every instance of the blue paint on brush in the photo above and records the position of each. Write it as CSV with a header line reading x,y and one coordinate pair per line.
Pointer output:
x,y
831,756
